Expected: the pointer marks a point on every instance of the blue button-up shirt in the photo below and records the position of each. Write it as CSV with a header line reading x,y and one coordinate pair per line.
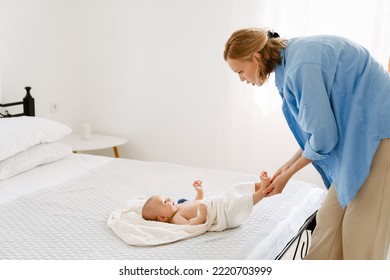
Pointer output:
x,y
336,100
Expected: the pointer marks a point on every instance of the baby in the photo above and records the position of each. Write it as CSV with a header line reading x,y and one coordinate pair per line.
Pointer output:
x,y
162,209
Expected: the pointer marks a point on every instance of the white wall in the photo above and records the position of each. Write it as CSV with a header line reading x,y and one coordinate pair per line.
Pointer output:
x,y
38,49
163,77
150,71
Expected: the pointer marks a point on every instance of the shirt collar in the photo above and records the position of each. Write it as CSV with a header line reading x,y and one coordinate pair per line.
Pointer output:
x,y
279,72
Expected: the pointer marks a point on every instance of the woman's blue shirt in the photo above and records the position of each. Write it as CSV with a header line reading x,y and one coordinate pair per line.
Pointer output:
x,y
336,100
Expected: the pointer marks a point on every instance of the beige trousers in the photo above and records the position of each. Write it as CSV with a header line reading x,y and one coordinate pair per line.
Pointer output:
x,y
362,229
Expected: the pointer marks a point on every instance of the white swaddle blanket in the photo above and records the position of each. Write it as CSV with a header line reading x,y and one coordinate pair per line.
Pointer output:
x,y
223,212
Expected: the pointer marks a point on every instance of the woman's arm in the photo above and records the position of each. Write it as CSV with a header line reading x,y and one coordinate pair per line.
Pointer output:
x,y
285,166
280,181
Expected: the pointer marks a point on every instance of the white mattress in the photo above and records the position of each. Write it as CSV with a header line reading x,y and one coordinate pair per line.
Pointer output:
x,y
60,210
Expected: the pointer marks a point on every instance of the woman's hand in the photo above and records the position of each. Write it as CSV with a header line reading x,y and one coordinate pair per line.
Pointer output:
x,y
277,185
279,171
284,174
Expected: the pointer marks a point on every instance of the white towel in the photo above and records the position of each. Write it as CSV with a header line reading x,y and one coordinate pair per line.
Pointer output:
x,y
223,212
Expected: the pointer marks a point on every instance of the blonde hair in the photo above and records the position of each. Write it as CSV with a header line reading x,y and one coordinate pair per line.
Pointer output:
x,y
243,43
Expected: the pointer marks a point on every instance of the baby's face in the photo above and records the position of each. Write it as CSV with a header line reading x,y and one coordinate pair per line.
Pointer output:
x,y
166,207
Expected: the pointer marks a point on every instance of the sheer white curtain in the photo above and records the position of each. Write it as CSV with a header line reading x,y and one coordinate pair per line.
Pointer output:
x,y
254,135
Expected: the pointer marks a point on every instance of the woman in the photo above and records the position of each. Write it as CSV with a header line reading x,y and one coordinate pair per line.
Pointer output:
x,y
336,100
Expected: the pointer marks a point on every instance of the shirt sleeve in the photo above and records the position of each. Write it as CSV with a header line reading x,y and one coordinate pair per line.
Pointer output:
x,y
309,101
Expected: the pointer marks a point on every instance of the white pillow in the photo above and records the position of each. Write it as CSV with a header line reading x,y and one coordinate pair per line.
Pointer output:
x,y
19,133
33,157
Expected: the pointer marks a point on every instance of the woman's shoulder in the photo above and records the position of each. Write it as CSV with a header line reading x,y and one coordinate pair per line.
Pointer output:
x,y
317,40
314,49
302,50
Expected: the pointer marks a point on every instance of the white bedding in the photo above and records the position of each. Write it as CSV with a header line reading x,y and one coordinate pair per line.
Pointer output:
x,y
60,211
49,175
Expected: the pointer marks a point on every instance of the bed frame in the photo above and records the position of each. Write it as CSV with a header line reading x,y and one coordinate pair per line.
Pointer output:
x,y
301,239
28,106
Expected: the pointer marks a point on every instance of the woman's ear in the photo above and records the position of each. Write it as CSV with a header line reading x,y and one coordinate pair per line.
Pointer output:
x,y
256,56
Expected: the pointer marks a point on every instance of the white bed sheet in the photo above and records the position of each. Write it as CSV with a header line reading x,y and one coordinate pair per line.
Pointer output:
x,y
59,211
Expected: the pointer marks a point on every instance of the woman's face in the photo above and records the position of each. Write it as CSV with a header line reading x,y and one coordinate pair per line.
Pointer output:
x,y
247,70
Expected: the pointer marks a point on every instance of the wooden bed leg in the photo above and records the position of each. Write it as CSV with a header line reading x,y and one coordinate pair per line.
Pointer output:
x,y
116,152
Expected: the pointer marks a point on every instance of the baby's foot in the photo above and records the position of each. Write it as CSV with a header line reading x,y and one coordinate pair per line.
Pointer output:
x,y
265,180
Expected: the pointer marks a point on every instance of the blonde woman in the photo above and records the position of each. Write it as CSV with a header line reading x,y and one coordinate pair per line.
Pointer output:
x,y
336,100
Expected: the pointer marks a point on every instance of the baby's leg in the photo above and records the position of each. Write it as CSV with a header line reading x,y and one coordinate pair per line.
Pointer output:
x,y
265,181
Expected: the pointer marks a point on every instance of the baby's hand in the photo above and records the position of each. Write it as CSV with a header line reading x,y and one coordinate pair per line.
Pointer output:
x,y
199,189
202,209
198,185
201,216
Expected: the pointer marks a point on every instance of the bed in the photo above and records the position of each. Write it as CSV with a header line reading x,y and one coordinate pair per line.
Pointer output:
x,y
57,207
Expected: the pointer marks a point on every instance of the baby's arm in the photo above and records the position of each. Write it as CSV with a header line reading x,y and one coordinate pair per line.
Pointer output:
x,y
178,219
201,217
199,189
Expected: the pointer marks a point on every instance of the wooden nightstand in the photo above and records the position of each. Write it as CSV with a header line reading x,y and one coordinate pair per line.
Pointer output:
x,y
96,142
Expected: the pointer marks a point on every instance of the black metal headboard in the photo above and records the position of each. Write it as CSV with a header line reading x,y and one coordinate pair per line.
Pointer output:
x,y
28,106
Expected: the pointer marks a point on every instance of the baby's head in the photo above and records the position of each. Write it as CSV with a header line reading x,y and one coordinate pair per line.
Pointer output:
x,y
159,208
